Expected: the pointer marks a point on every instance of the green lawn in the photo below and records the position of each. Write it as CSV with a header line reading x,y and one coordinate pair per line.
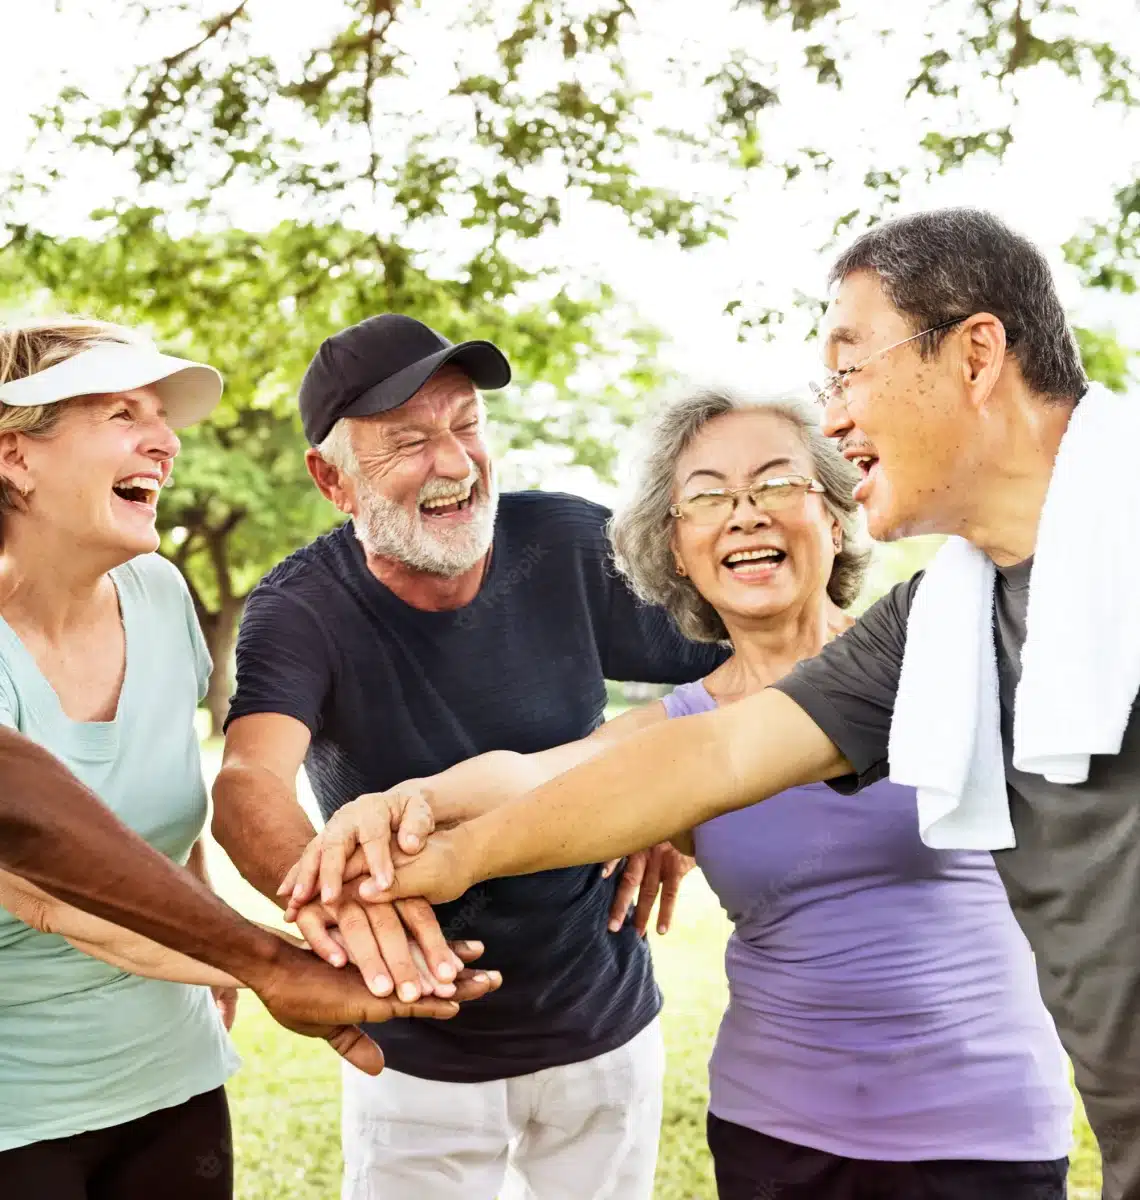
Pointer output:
x,y
286,1103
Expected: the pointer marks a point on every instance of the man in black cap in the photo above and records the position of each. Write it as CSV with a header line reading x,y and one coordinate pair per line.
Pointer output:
x,y
443,621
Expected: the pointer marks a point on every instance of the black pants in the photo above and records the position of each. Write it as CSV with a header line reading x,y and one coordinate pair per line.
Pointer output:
x,y
752,1166
179,1153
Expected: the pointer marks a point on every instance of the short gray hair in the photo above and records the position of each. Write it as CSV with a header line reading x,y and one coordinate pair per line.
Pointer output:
x,y
337,449
640,530
954,262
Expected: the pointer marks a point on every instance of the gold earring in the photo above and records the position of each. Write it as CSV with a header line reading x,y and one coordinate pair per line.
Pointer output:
x,y
680,570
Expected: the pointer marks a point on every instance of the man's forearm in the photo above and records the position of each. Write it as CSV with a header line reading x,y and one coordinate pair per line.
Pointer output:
x,y
58,834
670,777
477,785
260,825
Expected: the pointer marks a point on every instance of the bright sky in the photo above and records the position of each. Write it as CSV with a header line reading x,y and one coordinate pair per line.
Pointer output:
x,y
1069,155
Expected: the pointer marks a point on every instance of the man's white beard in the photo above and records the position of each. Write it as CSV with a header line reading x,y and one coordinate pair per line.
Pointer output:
x,y
388,530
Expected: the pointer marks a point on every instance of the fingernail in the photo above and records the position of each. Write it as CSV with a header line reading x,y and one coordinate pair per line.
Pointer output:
x,y
662,928
445,971
327,893
412,841
494,977
409,992
482,977
383,882
381,985
338,960
615,926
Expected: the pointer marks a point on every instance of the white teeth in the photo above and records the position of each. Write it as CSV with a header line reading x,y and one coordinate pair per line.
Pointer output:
x,y
443,501
145,483
752,555
863,460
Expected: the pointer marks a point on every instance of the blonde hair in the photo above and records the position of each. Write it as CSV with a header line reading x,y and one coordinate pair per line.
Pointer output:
x,y
33,346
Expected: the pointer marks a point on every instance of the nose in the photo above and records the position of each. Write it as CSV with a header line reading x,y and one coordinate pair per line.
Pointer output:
x,y
836,420
450,460
160,441
746,516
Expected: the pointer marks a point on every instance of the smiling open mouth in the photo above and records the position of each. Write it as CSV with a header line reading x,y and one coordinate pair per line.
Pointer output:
x,y
445,506
866,463
754,563
138,489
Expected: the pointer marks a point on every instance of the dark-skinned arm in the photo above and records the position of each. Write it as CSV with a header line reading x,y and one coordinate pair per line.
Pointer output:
x,y
59,835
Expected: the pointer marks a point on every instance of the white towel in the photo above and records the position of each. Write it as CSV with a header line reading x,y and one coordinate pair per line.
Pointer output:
x,y
1081,658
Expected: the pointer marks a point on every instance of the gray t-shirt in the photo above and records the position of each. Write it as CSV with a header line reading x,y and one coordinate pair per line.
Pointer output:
x,y
1073,878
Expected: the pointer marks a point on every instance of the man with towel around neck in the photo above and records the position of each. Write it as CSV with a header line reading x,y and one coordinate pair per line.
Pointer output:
x,y
957,387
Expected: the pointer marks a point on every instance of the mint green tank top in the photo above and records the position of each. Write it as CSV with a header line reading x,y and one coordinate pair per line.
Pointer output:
x,y
84,1045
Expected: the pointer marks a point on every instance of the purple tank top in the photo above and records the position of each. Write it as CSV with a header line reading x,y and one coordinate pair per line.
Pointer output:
x,y
883,1001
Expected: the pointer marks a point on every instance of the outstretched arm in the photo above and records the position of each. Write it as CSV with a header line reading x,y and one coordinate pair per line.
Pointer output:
x,y
359,836
102,939
57,833
662,780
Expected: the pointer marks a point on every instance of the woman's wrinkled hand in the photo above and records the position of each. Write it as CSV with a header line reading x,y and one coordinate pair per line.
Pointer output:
x,y
372,825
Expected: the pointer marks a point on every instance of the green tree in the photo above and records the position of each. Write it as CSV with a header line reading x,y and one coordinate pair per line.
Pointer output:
x,y
412,158
427,210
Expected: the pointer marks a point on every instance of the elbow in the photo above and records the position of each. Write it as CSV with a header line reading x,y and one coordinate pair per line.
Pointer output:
x,y
42,914
227,785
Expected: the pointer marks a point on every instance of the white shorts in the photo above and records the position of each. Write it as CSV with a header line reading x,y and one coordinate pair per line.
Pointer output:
x,y
587,1131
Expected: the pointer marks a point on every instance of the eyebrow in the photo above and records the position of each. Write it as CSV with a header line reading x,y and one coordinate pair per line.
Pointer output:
x,y
414,427
775,462
844,335
104,404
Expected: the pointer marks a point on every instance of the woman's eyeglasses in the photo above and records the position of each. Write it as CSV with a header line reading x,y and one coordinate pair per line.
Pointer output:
x,y
827,392
769,495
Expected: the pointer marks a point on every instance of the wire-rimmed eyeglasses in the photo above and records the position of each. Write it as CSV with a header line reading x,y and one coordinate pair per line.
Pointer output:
x,y
827,392
768,495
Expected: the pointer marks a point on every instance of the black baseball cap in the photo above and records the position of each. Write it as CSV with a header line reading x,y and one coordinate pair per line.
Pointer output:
x,y
380,364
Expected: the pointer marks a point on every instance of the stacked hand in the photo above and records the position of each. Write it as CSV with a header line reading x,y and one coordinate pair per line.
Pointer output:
x,y
354,921
309,997
382,847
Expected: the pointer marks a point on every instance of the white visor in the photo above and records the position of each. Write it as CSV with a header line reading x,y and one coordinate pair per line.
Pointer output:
x,y
188,390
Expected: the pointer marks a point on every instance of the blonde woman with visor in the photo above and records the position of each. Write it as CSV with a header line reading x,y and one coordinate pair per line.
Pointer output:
x,y
113,1052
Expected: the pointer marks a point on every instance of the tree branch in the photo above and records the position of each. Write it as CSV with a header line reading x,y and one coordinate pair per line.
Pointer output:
x,y
181,555
220,24
215,539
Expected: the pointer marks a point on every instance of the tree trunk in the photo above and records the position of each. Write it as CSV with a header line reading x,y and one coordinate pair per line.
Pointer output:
x,y
220,629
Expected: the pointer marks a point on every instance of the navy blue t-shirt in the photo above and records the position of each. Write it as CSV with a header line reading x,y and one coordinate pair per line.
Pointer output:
x,y
390,692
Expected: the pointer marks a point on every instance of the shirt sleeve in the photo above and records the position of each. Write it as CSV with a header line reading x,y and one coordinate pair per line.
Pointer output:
x,y
284,660
644,645
849,688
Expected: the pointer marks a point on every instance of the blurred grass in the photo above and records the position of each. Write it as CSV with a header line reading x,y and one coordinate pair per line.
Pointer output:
x,y
286,1098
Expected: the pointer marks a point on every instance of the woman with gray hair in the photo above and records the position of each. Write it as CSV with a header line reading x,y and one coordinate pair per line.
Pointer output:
x,y
884,1036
